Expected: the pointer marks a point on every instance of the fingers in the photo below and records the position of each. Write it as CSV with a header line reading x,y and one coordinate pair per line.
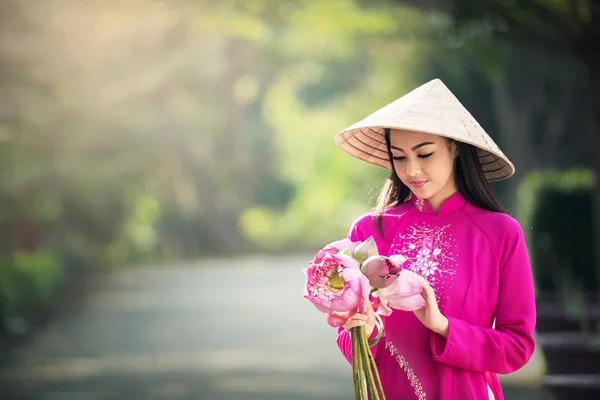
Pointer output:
x,y
366,306
421,279
429,296
370,312
356,320
426,286
428,292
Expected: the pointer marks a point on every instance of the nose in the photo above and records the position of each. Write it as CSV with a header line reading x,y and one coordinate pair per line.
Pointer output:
x,y
413,168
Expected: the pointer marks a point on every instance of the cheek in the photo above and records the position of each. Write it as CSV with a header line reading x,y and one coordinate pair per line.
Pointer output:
x,y
400,168
440,168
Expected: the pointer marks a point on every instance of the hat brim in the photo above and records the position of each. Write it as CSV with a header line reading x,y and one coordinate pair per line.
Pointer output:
x,y
367,143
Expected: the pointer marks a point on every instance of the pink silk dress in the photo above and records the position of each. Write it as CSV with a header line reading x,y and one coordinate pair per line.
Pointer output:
x,y
477,262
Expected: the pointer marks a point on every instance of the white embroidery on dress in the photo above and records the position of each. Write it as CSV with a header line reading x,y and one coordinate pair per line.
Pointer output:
x,y
419,203
410,373
430,252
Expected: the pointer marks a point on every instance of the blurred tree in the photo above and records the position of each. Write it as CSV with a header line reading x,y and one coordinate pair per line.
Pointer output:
x,y
567,26
225,112
54,149
338,63
142,97
569,29
526,97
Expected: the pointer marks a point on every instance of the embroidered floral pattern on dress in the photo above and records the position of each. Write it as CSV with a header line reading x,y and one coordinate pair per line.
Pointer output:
x,y
419,203
410,373
431,252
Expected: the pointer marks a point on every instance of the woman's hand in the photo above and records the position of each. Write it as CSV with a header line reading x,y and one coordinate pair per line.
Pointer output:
x,y
367,319
430,315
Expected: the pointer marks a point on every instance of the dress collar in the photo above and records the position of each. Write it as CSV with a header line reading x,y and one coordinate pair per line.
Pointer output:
x,y
452,204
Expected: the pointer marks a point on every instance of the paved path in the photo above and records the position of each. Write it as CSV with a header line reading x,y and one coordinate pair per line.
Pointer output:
x,y
227,330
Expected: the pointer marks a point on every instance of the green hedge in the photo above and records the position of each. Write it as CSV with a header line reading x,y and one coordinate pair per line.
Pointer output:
x,y
27,280
555,210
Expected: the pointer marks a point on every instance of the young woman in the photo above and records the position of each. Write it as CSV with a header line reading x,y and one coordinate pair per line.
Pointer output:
x,y
437,210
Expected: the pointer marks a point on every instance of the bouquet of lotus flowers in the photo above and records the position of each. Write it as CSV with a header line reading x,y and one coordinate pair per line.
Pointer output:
x,y
339,281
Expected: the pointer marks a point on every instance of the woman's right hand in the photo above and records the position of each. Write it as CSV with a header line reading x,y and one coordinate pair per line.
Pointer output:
x,y
367,319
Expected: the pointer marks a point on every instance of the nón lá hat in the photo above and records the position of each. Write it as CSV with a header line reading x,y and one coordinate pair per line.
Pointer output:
x,y
430,108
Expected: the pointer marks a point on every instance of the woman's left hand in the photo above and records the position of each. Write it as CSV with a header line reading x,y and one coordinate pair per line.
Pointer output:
x,y
430,315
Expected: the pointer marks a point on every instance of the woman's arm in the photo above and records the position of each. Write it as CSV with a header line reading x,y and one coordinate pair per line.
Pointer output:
x,y
509,346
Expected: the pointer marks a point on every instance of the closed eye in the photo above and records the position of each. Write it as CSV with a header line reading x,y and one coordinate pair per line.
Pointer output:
x,y
402,158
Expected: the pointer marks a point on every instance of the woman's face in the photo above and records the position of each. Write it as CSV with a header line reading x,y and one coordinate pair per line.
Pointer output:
x,y
425,163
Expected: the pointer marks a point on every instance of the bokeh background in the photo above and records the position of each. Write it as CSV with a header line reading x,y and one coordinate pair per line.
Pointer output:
x,y
167,167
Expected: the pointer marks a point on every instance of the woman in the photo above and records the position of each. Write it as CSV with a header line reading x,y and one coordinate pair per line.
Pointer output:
x,y
437,210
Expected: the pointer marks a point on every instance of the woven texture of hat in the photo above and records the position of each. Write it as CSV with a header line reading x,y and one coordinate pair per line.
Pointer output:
x,y
430,108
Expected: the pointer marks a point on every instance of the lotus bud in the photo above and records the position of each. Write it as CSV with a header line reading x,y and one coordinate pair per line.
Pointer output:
x,y
377,270
365,250
397,260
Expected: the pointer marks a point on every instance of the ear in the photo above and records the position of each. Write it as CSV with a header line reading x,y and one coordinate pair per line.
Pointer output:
x,y
455,150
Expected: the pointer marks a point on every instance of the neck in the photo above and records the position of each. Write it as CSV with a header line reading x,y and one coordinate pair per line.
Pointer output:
x,y
439,198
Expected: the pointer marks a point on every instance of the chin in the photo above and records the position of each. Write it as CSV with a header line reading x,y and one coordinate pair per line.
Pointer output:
x,y
423,194
427,198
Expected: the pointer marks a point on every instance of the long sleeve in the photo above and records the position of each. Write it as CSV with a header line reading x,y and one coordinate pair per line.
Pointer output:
x,y
510,345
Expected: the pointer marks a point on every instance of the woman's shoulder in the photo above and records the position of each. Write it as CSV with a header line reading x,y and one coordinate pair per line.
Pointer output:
x,y
367,223
390,212
494,223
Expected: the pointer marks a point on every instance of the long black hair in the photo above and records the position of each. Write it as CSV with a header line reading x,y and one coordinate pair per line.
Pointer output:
x,y
468,173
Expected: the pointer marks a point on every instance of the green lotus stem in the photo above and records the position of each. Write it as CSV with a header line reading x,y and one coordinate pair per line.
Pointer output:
x,y
361,370
373,367
356,361
377,380
367,366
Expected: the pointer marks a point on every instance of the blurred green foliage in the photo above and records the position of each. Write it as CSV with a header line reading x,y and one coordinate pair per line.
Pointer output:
x,y
138,242
175,130
27,280
555,209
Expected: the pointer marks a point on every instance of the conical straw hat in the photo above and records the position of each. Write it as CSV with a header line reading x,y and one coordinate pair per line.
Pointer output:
x,y
430,108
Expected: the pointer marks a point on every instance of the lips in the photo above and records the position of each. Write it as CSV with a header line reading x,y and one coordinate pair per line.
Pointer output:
x,y
418,184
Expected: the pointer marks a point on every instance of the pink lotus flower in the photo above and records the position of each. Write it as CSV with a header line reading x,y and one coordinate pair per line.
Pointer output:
x,y
403,294
336,247
382,271
334,283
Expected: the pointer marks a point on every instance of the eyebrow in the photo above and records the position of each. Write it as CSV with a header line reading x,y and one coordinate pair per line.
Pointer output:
x,y
415,147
